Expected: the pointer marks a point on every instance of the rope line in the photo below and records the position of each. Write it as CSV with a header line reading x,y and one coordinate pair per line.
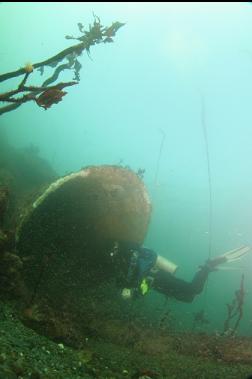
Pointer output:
x,y
210,197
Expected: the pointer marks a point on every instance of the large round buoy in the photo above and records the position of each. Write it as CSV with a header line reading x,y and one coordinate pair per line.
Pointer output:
x,y
66,236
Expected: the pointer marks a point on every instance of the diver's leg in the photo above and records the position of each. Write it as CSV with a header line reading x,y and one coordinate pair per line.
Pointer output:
x,y
182,290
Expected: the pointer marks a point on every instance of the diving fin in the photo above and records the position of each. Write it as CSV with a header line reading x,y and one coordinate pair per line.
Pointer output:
x,y
234,255
229,268
229,256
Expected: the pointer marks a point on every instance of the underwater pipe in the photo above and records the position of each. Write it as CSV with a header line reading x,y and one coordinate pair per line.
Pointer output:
x,y
68,231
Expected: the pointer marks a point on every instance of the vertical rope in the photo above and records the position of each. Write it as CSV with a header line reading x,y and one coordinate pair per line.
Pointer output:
x,y
159,156
210,199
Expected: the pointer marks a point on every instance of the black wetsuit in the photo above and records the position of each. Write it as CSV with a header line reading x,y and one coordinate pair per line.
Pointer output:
x,y
138,263
169,285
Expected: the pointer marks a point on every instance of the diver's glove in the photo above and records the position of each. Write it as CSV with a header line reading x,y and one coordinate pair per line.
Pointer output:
x,y
127,293
229,256
130,293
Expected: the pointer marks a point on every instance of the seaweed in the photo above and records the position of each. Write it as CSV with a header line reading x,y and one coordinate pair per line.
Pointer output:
x,y
235,310
95,34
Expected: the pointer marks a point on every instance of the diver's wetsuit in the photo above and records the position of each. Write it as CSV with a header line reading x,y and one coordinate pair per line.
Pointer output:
x,y
169,285
140,263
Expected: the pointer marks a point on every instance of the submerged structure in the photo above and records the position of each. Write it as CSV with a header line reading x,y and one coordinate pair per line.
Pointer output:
x,y
66,237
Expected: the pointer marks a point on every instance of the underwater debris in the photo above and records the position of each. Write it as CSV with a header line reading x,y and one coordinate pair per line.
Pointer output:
x,y
235,309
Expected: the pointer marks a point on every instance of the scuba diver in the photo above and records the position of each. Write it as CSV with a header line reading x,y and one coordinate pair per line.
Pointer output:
x,y
139,269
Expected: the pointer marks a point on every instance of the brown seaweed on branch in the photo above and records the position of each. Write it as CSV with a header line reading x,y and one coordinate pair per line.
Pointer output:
x,y
31,94
95,34
49,97
235,310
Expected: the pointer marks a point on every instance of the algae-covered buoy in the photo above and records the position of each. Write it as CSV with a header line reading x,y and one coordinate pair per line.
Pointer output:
x,y
66,236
